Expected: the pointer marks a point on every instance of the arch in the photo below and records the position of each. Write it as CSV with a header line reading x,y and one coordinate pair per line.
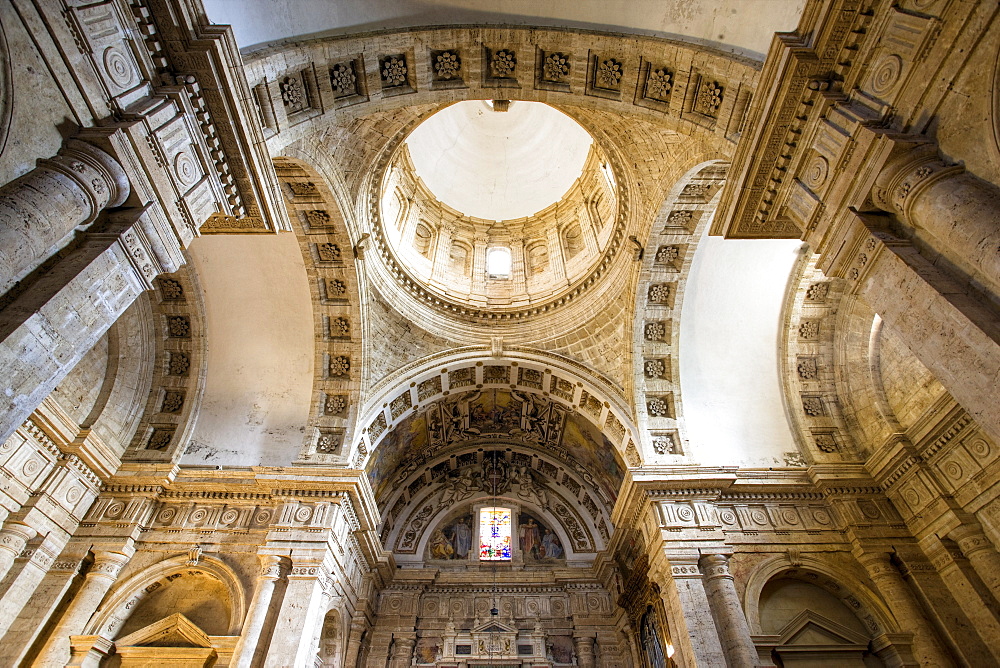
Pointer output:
x,y
871,609
569,384
118,605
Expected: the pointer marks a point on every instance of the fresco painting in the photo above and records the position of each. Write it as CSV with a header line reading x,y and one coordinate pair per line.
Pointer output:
x,y
537,541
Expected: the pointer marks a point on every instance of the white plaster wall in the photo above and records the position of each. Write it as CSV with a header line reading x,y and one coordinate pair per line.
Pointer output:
x,y
729,323
260,353
499,165
741,26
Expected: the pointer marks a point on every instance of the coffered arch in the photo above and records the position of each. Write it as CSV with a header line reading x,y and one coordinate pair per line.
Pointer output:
x,y
476,393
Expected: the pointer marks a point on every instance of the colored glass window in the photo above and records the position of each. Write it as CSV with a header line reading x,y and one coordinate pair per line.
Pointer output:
x,y
494,534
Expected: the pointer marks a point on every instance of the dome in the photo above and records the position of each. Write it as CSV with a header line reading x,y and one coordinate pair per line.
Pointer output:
x,y
499,166
498,212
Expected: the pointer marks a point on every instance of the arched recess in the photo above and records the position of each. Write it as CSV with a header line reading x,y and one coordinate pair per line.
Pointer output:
x,y
127,597
559,492
445,384
858,598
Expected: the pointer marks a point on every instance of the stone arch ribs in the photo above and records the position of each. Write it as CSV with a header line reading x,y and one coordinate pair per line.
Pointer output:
x,y
666,263
334,287
568,385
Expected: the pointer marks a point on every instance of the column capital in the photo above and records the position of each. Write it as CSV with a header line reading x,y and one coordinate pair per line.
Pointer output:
x,y
15,535
913,166
270,566
108,564
970,539
715,566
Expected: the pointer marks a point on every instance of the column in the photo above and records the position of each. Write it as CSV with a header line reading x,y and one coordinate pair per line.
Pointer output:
x,y
960,583
695,636
14,538
927,647
981,555
961,211
479,270
39,209
102,574
270,572
293,631
358,627
557,261
954,336
402,650
731,623
45,331
442,256
584,646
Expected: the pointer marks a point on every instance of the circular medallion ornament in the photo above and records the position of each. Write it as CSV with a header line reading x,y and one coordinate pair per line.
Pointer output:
x,y
166,516
821,516
953,470
980,448
885,74
185,168
758,516
229,516
73,495
727,517
114,510
199,515
31,467
869,509
118,67
816,173
685,514
911,497
303,514
789,516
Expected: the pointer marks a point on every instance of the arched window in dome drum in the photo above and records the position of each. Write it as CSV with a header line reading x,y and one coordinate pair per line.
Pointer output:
x,y
498,262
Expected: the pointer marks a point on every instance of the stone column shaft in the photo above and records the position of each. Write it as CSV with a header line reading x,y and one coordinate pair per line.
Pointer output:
x,y
694,634
978,549
730,621
357,631
402,651
41,208
293,631
46,331
102,574
270,572
960,211
927,647
954,336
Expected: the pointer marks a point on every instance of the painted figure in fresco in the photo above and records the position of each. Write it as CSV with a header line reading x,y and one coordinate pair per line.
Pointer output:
x,y
529,489
457,487
531,540
651,641
550,543
461,539
441,548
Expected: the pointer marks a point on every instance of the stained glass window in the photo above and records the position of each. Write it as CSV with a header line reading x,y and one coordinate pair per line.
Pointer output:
x,y
494,534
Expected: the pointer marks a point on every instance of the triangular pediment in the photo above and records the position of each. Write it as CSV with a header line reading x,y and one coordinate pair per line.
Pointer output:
x,y
173,631
811,628
494,627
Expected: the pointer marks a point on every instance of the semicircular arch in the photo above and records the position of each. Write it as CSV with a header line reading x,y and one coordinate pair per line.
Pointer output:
x,y
126,596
